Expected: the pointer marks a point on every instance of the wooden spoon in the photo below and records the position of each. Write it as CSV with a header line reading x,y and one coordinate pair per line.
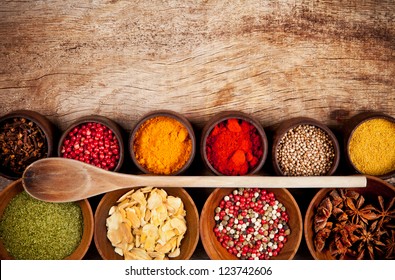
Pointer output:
x,y
64,180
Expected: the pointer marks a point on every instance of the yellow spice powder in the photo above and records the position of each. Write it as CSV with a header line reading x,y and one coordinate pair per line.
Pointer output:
x,y
372,147
162,145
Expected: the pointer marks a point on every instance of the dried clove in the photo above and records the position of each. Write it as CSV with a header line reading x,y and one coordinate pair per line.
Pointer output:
x,y
21,142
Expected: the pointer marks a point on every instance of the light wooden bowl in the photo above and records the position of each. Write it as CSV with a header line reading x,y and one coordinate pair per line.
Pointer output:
x,y
116,129
188,243
348,129
286,125
375,186
216,251
223,116
16,187
165,113
43,123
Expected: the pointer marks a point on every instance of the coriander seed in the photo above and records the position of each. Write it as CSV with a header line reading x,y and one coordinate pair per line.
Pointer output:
x,y
305,150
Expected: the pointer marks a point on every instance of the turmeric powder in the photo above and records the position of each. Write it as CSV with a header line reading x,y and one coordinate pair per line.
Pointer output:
x,y
372,147
162,145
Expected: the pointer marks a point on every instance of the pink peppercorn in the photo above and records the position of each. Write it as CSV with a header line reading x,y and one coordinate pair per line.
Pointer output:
x,y
93,143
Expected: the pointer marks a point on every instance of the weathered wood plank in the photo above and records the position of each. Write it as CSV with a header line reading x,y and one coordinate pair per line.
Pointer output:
x,y
273,59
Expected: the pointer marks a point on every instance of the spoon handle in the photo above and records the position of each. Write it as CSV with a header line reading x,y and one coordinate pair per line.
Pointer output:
x,y
254,181
62,180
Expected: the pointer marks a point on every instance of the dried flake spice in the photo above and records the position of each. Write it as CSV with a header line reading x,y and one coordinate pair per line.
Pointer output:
x,y
31,229
147,224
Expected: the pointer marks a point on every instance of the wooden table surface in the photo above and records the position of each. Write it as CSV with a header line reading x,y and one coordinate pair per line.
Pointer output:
x,y
275,60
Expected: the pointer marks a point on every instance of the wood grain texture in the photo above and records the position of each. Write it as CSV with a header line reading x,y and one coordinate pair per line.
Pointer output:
x,y
274,59
121,59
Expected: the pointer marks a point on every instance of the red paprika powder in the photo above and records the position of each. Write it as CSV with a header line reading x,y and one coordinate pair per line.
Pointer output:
x,y
234,147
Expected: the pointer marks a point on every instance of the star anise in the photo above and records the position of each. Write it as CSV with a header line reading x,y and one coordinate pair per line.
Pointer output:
x,y
345,233
339,197
370,241
339,214
351,228
321,236
390,246
352,194
339,250
386,214
322,215
357,211
343,238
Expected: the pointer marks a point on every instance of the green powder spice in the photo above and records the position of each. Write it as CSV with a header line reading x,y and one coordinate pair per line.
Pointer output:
x,y
35,230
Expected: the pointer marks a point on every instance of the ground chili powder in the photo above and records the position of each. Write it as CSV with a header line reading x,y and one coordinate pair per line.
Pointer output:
x,y
234,147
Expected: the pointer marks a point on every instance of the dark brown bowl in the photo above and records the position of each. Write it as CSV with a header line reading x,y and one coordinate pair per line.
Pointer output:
x,y
188,243
286,125
16,187
348,130
216,251
374,188
116,129
166,113
223,116
43,123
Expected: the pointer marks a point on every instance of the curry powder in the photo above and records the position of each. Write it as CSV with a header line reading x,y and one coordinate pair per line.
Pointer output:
x,y
162,145
372,147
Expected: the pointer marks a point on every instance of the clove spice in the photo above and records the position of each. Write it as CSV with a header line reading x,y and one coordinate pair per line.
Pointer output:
x,y
22,142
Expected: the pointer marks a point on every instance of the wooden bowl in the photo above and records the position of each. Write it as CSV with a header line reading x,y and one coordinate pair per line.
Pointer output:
x,y
43,123
375,186
286,125
116,129
16,187
348,129
188,243
223,116
216,251
170,114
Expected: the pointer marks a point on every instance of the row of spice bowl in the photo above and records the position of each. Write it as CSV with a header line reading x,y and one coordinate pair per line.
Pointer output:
x,y
339,224
232,143
127,222
246,224
150,223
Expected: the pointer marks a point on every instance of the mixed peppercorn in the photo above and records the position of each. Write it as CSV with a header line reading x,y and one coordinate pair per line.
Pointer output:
x,y
251,224
93,143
